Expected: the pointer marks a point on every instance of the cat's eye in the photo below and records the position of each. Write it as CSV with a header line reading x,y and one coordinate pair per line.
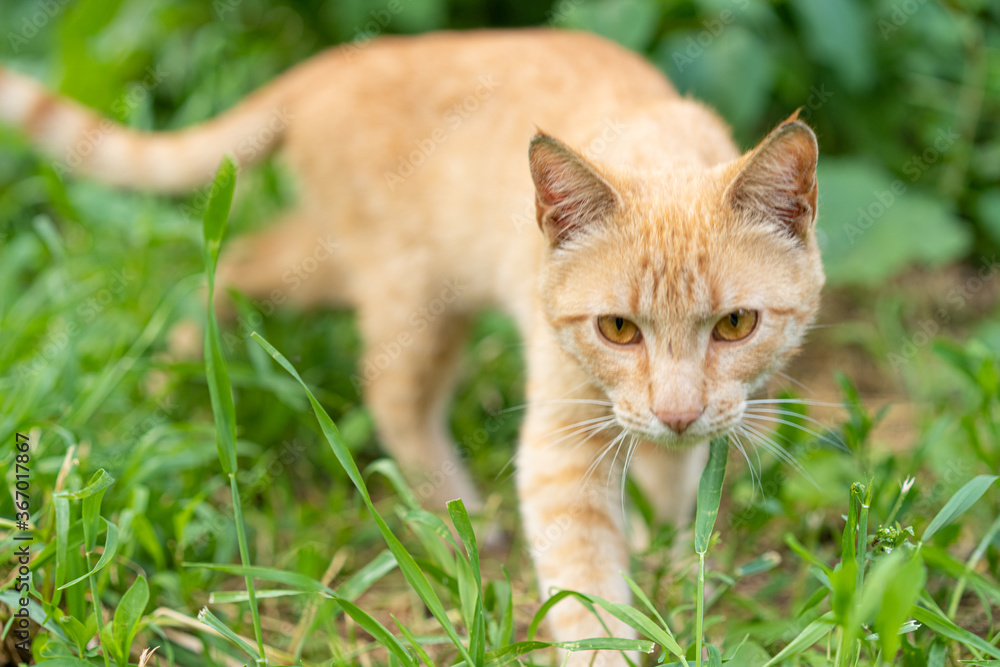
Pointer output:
x,y
735,326
618,330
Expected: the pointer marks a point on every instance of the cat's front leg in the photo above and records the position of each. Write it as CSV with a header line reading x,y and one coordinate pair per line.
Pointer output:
x,y
573,523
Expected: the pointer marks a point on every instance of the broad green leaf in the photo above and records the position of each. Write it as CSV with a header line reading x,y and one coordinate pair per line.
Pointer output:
x,y
631,23
843,586
872,226
91,495
734,71
714,656
963,499
36,613
901,592
110,548
838,34
750,655
128,613
710,494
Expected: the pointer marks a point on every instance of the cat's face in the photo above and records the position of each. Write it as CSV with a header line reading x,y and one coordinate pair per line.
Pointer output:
x,y
680,294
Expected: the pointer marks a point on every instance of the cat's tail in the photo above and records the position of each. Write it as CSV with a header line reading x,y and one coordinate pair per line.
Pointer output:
x,y
81,141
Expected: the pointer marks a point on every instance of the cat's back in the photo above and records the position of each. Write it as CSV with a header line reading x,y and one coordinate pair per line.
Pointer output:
x,y
449,93
415,148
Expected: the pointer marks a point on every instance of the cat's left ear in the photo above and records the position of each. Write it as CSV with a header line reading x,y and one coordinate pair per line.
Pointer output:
x,y
570,194
778,181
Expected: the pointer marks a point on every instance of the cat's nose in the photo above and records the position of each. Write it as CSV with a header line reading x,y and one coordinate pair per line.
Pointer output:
x,y
678,422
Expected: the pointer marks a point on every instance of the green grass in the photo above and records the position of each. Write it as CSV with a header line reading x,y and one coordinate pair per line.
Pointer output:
x,y
223,513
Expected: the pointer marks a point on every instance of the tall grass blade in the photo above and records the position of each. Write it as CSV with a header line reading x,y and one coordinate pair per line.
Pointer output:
x,y
959,503
710,493
219,387
407,565
942,625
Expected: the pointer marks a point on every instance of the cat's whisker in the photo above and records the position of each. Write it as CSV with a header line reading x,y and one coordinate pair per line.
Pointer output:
x,y
611,469
551,401
593,466
632,446
767,443
582,422
789,378
754,477
593,426
795,401
777,420
788,413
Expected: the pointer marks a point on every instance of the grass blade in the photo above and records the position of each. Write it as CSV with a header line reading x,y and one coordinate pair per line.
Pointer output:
x,y
407,565
710,494
959,503
942,625
219,388
299,581
110,549
512,652
382,635
809,636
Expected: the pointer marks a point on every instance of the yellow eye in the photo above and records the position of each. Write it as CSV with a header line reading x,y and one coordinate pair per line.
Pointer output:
x,y
737,325
618,330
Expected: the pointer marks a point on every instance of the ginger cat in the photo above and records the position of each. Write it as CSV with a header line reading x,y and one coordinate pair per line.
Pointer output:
x,y
668,278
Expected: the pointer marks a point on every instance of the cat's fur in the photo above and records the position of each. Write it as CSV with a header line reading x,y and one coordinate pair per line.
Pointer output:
x,y
413,156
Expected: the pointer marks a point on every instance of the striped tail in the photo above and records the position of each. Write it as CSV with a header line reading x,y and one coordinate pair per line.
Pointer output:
x,y
80,141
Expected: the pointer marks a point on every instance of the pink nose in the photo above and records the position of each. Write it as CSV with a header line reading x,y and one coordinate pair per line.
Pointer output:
x,y
679,421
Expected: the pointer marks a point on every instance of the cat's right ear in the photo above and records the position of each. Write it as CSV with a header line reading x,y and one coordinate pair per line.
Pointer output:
x,y
570,194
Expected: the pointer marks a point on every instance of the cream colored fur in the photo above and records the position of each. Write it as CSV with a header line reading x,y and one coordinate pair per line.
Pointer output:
x,y
413,156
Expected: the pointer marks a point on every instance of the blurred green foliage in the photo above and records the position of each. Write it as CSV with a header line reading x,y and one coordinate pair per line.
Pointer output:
x,y
904,94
